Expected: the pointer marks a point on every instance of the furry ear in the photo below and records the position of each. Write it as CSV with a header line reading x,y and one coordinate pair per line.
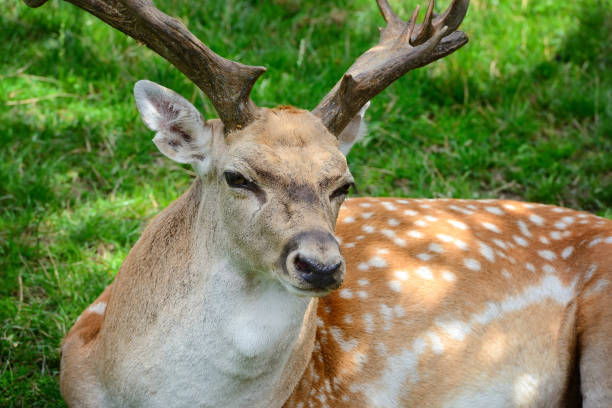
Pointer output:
x,y
182,133
354,131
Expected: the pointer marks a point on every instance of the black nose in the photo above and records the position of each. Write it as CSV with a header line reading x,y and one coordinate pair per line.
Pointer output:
x,y
316,273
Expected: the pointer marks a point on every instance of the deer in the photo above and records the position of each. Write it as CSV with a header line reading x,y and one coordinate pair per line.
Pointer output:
x,y
263,285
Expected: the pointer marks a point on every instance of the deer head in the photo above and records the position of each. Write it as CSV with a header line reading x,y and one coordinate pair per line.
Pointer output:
x,y
273,179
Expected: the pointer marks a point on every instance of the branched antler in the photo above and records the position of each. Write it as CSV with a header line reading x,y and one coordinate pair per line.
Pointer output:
x,y
402,47
227,83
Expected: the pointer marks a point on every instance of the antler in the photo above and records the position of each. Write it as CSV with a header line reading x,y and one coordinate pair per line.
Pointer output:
x,y
402,47
227,83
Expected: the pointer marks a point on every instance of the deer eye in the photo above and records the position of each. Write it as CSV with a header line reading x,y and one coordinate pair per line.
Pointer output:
x,y
237,180
342,191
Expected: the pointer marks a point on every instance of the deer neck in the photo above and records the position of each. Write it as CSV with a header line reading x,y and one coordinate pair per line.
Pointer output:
x,y
260,336
232,338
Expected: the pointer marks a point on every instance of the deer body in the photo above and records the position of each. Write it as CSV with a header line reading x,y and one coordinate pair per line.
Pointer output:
x,y
444,304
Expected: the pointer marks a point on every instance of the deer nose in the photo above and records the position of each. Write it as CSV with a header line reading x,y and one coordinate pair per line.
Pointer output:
x,y
316,273
312,260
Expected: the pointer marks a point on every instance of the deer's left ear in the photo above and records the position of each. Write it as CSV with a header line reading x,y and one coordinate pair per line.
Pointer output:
x,y
354,131
182,133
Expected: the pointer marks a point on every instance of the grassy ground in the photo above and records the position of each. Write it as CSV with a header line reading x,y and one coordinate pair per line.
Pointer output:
x,y
523,111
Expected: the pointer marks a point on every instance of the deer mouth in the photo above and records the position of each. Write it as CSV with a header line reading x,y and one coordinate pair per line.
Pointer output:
x,y
310,292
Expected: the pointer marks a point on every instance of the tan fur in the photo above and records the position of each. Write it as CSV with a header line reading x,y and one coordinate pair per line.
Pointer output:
x,y
452,287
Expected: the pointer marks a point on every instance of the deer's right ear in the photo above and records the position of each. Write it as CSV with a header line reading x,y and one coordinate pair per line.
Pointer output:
x,y
182,133
354,131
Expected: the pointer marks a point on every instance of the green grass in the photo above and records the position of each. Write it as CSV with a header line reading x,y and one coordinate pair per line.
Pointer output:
x,y
523,111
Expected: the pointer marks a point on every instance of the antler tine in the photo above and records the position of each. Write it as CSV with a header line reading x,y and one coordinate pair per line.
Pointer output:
x,y
227,83
396,53
423,31
386,11
452,18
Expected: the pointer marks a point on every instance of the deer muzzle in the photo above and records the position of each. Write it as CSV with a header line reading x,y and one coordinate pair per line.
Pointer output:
x,y
313,263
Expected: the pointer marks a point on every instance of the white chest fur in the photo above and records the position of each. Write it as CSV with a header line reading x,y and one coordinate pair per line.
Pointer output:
x,y
227,345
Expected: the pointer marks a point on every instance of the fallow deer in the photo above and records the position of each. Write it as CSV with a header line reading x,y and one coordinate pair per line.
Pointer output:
x,y
240,295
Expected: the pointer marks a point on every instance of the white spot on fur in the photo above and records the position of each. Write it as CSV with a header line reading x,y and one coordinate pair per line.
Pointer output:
x,y
448,276
520,240
548,268
377,262
387,314
420,223
472,264
495,210
523,228
455,329
567,252
395,286
445,238
506,274
500,243
368,229
416,234
389,206
424,257
458,224
594,242
556,235
608,240
430,218
393,222
363,266
365,205
411,213
590,272
424,272
348,220
436,342
359,359
362,294
530,267
401,275
433,247
544,240
598,287
548,255
486,251
399,311
368,321
536,219
461,210
399,242
346,294
491,227
345,345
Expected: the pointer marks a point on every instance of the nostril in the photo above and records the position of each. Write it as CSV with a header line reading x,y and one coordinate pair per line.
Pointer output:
x,y
302,264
